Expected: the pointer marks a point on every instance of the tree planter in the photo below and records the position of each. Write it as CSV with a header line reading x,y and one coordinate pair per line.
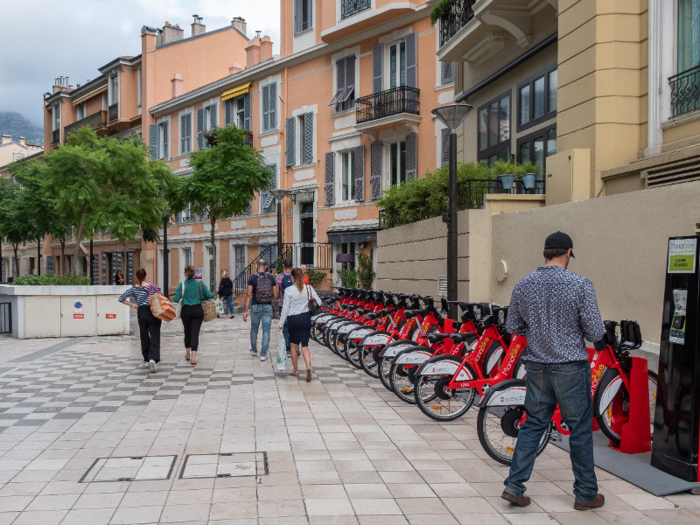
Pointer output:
x,y
507,181
528,181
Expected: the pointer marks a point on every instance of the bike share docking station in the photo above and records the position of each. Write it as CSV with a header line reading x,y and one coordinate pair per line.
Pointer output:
x,y
677,414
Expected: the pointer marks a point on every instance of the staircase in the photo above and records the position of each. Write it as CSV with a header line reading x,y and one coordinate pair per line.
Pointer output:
x,y
240,283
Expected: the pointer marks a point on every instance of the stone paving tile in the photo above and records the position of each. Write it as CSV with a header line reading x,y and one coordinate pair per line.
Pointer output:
x,y
341,450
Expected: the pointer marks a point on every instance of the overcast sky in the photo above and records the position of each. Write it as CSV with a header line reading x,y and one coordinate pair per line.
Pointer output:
x,y
44,39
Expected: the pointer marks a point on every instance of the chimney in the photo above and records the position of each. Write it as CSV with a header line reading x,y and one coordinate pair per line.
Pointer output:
x,y
172,33
197,26
22,141
252,52
239,23
6,139
235,67
265,48
177,85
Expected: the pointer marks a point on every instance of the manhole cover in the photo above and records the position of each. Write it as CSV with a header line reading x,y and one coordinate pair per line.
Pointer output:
x,y
143,468
239,464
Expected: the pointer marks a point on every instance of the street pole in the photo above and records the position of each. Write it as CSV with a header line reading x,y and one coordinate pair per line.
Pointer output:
x,y
279,229
90,264
166,281
38,256
452,242
1,264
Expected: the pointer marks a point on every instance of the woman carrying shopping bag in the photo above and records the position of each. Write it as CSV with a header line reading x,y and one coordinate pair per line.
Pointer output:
x,y
295,311
149,325
226,291
192,313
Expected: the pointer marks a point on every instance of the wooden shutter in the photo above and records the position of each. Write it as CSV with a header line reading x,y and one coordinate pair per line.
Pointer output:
x,y
340,82
153,140
213,115
200,129
412,60
308,145
166,138
266,108
185,133
246,112
377,68
266,198
411,156
447,72
330,178
349,77
291,137
360,173
375,170
444,147
297,16
273,106
228,112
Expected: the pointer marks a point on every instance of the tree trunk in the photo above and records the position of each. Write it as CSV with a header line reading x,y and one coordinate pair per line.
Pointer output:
x,y
125,263
78,238
15,247
213,248
63,255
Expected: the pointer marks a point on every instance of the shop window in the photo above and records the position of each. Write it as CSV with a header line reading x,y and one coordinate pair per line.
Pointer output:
x,y
494,129
537,98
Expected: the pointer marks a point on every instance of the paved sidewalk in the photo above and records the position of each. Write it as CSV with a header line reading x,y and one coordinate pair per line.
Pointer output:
x,y
88,437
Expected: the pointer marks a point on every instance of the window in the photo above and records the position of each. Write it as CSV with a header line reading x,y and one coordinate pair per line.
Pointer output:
x,y
56,117
140,84
207,119
269,107
80,111
185,216
537,98
447,72
239,112
347,247
688,50
398,163
185,133
344,98
494,129
302,15
50,264
163,142
397,64
186,256
347,168
536,147
114,89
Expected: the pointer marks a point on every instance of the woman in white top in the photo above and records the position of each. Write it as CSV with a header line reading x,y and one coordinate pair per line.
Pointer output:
x,y
295,311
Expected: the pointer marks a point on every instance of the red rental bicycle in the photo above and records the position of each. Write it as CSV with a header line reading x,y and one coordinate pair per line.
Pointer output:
x,y
502,409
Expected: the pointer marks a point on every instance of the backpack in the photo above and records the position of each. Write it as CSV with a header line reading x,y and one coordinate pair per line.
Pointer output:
x,y
286,282
263,289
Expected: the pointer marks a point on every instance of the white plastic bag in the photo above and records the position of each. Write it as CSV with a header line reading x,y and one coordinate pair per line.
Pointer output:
x,y
281,353
219,307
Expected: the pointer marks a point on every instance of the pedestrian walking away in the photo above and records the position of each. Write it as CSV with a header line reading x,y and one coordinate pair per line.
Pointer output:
x,y
149,325
298,318
226,291
262,291
191,292
284,281
557,311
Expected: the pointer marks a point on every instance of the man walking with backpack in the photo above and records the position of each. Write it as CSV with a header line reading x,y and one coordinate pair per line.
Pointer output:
x,y
284,281
262,290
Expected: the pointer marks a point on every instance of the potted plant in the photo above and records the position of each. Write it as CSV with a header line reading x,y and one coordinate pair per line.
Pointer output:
x,y
526,172
505,170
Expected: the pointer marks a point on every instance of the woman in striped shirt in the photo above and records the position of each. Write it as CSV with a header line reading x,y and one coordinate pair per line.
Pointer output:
x,y
149,325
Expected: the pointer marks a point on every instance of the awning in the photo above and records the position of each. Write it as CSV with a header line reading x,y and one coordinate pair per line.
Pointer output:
x,y
352,236
237,91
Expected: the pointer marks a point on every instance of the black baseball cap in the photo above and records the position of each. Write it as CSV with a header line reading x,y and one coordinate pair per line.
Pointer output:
x,y
559,240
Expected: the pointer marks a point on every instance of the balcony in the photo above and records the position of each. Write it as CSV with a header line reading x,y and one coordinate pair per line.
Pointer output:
x,y
56,136
357,16
352,7
387,109
114,112
685,92
95,121
458,15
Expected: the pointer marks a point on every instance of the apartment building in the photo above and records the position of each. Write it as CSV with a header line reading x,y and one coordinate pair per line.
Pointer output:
x,y
341,113
113,104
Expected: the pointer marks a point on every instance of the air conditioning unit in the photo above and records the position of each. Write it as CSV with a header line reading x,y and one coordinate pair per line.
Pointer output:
x,y
442,285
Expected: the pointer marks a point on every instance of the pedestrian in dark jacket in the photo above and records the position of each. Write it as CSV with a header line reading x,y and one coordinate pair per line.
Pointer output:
x,y
226,291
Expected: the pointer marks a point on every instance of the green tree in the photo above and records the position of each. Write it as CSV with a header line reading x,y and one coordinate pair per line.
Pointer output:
x,y
16,226
225,178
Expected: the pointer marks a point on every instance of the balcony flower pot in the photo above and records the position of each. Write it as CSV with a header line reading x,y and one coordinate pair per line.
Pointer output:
x,y
528,180
507,180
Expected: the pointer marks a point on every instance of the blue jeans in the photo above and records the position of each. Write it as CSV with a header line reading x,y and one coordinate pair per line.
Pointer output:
x,y
260,312
229,303
569,385
285,332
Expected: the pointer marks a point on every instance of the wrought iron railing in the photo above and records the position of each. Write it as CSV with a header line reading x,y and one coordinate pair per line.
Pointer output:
x,y
402,99
55,136
316,255
114,112
352,7
240,283
459,13
94,121
685,92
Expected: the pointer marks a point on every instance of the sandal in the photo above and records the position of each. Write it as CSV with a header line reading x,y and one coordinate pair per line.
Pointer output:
x,y
187,356
194,359
295,373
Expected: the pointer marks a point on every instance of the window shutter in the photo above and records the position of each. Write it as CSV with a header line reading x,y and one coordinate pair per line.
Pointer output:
x,y
228,111
291,137
447,69
349,77
246,112
340,81
200,129
297,16
308,146
375,170
248,209
412,60
444,147
360,173
153,140
411,156
377,68
183,134
266,198
213,115
272,94
166,137
330,178
266,108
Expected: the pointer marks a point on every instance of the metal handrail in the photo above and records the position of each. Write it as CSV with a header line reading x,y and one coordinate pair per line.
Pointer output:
x,y
114,112
402,99
316,255
459,14
240,283
352,7
94,121
685,92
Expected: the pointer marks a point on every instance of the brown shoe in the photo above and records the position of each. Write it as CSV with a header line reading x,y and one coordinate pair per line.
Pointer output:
x,y
308,375
595,503
520,501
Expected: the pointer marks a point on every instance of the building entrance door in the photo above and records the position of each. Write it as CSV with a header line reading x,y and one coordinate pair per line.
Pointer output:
x,y
307,234
239,261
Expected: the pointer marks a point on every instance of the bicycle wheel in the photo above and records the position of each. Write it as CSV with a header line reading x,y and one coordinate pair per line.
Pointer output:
x,y
440,404
492,359
498,427
367,362
352,353
401,378
384,369
612,400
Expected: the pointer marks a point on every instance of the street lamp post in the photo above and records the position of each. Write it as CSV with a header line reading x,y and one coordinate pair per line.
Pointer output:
x,y
452,116
279,194
166,279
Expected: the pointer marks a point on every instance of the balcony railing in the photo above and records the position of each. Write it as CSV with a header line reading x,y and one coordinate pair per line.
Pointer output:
x,y
352,7
402,99
114,112
94,121
55,136
317,255
458,15
685,92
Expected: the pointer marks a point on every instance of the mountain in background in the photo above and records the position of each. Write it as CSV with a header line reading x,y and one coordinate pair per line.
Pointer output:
x,y
16,125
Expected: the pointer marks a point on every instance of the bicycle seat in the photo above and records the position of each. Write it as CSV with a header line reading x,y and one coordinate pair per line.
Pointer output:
x,y
371,316
363,311
457,325
410,313
434,338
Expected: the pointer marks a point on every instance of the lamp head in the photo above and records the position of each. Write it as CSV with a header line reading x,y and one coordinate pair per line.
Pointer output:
x,y
452,115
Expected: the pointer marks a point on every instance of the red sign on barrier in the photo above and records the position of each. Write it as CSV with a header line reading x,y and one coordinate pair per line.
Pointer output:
x,y
111,316
78,316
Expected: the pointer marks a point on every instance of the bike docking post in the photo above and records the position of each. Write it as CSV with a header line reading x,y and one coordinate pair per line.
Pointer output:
x,y
635,434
